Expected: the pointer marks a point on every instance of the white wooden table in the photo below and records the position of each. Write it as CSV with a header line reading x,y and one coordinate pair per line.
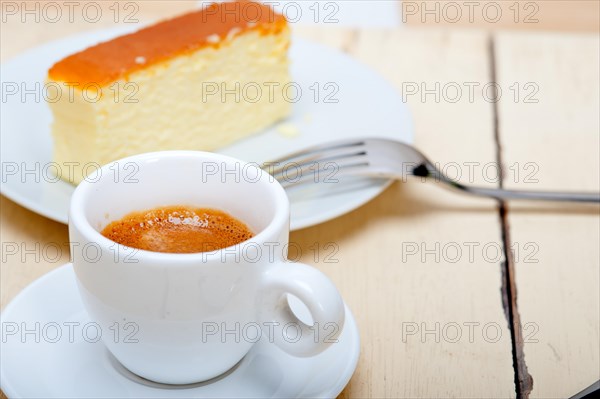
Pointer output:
x,y
454,296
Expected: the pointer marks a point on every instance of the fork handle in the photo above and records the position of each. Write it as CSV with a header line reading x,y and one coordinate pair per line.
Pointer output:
x,y
501,194
429,170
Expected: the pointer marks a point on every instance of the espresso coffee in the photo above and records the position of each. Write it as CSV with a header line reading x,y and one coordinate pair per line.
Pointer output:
x,y
178,229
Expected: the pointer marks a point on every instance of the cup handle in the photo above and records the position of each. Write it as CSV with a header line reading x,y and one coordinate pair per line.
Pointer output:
x,y
319,295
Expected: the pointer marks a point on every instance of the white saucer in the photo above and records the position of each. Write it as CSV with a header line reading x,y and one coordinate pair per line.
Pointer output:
x,y
368,106
80,369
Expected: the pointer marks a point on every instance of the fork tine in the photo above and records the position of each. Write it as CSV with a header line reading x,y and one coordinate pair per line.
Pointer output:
x,y
326,172
329,156
318,164
318,150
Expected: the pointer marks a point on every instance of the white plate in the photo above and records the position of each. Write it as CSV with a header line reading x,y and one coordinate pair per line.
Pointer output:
x,y
367,106
71,367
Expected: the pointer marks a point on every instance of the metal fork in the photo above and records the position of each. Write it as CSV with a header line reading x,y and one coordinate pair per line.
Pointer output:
x,y
385,158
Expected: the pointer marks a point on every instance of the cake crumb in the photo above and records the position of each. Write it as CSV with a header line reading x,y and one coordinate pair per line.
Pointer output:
x,y
214,38
140,60
288,130
251,24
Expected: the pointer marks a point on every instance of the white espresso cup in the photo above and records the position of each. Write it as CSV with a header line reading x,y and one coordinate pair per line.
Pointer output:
x,y
185,318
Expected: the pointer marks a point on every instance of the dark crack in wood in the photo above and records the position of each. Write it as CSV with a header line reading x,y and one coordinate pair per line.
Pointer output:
x,y
523,380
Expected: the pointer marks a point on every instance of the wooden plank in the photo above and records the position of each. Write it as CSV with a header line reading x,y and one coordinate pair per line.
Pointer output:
x,y
390,290
31,246
554,144
390,295
34,23
559,15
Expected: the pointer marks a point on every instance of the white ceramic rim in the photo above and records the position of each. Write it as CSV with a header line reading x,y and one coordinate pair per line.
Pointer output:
x,y
79,221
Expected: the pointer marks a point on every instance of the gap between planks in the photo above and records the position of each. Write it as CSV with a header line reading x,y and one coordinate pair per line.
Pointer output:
x,y
523,380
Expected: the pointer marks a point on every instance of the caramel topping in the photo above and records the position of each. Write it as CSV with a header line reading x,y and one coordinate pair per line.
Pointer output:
x,y
116,59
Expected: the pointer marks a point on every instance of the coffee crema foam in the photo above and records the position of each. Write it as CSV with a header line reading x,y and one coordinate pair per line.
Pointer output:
x,y
178,229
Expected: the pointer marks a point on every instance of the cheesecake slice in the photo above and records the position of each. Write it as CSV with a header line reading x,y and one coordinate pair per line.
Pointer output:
x,y
196,82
